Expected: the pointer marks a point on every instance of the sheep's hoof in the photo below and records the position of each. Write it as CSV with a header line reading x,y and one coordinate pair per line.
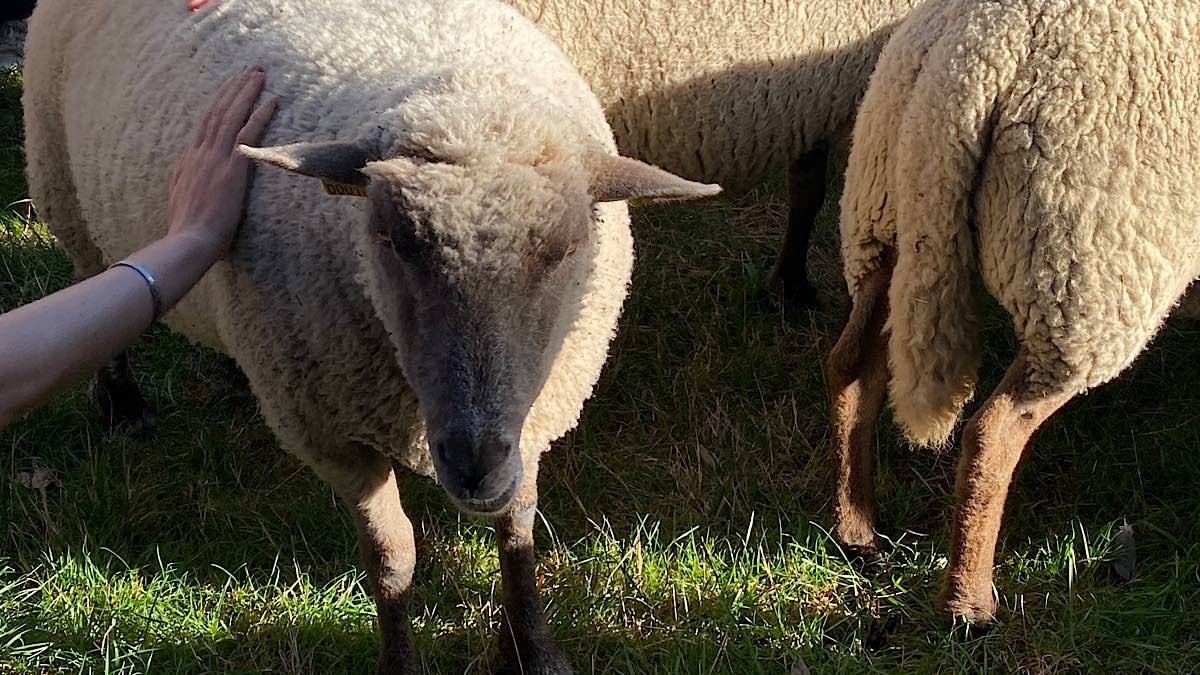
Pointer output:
x,y
535,658
389,666
792,294
120,400
975,613
858,542
865,553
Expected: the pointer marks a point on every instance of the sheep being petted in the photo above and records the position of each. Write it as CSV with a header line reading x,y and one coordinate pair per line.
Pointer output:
x,y
731,92
464,306
1051,146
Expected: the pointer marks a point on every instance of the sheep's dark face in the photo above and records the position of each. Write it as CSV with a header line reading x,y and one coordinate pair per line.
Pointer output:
x,y
476,271
473,263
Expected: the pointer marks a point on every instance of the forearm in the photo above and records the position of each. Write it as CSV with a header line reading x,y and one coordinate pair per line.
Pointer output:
x,y
48,345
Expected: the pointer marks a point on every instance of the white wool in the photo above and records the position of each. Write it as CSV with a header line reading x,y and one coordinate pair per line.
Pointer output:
x,y
1051,144
723,91
113,93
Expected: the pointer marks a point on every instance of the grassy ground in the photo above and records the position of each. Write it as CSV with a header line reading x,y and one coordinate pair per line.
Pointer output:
x,y
683,519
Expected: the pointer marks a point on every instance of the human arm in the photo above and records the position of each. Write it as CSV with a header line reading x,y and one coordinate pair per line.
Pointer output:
x,y
49,344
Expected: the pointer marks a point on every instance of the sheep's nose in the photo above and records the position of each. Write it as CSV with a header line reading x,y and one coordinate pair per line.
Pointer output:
x,y
476,469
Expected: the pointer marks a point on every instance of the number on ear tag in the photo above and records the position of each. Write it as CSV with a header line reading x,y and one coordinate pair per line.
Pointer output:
x,y
343,189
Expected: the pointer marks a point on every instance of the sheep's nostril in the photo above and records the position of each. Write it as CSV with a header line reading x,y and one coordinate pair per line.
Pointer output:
x,y
475,467
471,479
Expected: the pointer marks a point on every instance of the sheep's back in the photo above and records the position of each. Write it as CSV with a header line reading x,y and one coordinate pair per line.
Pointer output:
x,y
723,91
1088,221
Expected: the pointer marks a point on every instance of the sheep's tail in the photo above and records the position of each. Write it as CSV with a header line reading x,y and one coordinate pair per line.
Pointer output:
x,y
950,69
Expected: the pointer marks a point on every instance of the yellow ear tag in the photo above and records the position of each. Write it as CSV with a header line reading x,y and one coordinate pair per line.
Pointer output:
x,y
337,189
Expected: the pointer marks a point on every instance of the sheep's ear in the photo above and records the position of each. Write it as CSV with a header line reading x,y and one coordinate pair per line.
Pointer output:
x,y
335,160
615,178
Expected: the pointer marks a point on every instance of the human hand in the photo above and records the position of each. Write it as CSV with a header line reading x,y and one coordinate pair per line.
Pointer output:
x,y
210,182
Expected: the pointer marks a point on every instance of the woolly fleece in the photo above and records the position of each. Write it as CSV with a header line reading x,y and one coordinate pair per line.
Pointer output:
x,y
1051,144
723,91
113,91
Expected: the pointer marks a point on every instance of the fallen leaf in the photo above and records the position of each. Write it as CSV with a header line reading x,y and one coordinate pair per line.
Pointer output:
x,y
1126,558
38,479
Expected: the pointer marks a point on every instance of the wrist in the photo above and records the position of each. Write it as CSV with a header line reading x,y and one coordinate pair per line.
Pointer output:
x,y
204,247
151,285
177,261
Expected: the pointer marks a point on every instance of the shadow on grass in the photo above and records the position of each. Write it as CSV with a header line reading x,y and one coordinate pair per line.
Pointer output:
x,y
709,420
709,425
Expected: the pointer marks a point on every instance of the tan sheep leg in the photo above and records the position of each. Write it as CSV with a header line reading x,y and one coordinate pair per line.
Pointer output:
x,y
857,382
365,482
526,645
993,443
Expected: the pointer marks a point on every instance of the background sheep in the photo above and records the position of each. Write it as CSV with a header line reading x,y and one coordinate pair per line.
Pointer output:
x,y
1051,144
469,301
731,92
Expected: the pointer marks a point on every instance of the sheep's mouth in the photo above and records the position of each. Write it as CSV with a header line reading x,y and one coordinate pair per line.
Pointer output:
x,y
487,508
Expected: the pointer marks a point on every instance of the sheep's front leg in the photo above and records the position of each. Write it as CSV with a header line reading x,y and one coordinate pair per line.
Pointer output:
x,y
364,480
993,442
119,398
525,643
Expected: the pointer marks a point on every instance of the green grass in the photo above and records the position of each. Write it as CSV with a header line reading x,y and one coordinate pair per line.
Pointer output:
x,y
683,519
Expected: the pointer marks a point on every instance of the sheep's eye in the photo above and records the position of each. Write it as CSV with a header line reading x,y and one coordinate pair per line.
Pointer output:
x,y
554,254
401,236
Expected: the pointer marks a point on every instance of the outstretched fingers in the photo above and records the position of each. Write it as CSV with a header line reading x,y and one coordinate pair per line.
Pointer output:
x,y
237,110
255,127
217,107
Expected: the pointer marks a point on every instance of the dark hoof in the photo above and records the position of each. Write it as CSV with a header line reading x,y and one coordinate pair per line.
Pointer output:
x,y
406,667
387,666
121,401
858,542
788,291
794,295
864,554
535,659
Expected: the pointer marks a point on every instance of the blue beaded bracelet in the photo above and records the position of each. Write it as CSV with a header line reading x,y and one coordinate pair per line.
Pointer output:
x,y
155,296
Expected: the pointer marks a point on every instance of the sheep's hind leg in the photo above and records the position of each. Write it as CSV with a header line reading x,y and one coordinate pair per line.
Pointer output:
x,y
806,193
119,398
857,383
993,442
526,645
364,480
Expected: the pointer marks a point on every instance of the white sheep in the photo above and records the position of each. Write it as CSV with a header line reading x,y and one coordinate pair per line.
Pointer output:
x,y
469,300
1052,145
731,92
